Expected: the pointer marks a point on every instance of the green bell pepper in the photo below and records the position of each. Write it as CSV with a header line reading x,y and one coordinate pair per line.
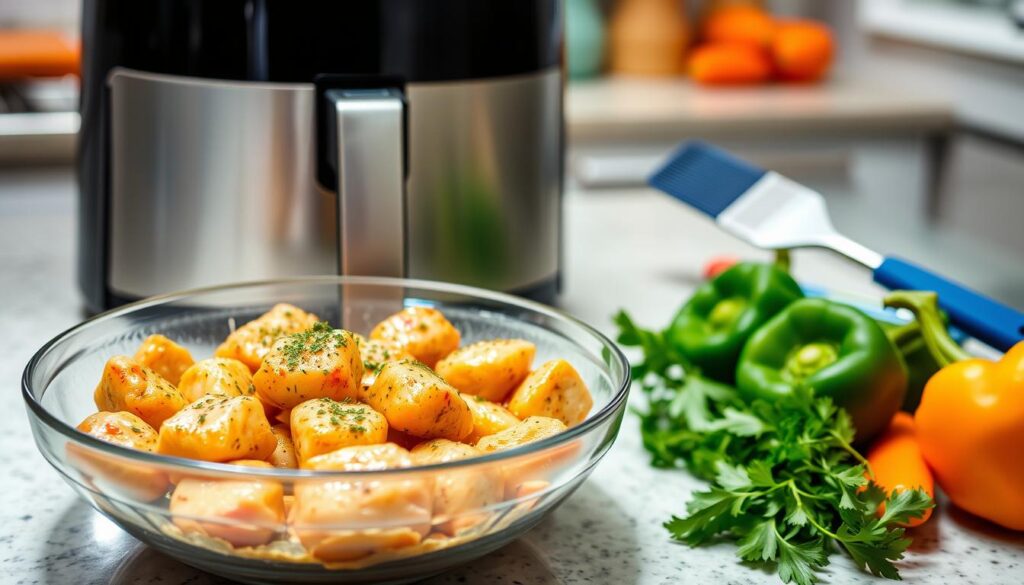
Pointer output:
x,y
711,328
834,350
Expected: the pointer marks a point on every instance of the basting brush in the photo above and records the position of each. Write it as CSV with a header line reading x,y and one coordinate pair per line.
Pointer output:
x,y
772,212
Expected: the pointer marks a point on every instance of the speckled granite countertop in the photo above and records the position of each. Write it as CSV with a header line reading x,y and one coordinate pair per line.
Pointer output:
x,y
608,532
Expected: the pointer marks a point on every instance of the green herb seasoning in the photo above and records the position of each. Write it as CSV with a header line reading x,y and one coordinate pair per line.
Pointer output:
x,y
312,341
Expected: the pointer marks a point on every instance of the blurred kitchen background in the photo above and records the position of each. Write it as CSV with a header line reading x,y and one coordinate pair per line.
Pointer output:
x,y
907,114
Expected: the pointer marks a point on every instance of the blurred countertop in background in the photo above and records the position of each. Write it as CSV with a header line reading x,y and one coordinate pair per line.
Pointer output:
x,y
638,109
620,109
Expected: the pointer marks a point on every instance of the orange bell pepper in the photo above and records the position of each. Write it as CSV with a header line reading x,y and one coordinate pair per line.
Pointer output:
x,y
971,420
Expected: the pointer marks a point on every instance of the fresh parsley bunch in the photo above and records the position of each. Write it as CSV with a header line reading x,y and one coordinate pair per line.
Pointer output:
x,y
786,483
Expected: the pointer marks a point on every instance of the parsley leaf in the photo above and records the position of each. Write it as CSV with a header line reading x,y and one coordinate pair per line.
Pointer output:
x,y
760,544
902,506
786,483
799,562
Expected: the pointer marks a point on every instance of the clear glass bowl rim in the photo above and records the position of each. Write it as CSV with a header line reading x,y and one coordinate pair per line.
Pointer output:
x,y
229,470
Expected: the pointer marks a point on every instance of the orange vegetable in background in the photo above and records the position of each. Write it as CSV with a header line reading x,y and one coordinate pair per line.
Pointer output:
x,y
739,24
802,50
38,53
970,423
971,427
729,64
897,463
717,265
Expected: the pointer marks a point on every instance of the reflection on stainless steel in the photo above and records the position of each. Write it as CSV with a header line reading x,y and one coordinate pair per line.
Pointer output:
x,y
213,181
371,181
484,180
371,190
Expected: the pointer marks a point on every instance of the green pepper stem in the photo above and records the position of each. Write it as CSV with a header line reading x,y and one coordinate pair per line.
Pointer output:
x,y
783,259
726,311
810,358
925,306
904,334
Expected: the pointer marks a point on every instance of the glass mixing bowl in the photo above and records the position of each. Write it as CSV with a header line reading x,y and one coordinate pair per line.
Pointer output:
x,y
388,526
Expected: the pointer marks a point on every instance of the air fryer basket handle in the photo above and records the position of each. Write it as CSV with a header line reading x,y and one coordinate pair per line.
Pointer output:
x,y
368,136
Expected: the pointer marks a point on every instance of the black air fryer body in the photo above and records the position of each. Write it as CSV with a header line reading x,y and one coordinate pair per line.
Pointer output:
x,y
198,155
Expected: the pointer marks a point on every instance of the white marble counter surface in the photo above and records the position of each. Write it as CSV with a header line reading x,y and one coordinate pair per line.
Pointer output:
x,y
633,250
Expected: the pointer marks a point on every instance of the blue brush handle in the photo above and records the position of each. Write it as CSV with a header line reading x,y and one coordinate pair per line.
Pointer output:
x,y
981,317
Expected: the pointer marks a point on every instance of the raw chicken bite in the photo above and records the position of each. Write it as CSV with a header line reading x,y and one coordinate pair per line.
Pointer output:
x,y
164,357
555,390
488,418
321,362
242,512
490,369
417,401
422,332
532,429
252,341
111,474
323,425
120,428
531,468
375,354
219,428
284,456
216,377
460,496
127,385
340,519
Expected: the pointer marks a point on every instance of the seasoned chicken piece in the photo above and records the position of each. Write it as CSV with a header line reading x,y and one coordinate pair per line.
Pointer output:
x,y
490,369
488,418
332,518
120,428
284,454
317,363
417,401
252,341
362,458
556,390
530,469
114,475
164,357
129,386
421,331
219,428
375,354
532,429
459,496
323,425
216,377
242,512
